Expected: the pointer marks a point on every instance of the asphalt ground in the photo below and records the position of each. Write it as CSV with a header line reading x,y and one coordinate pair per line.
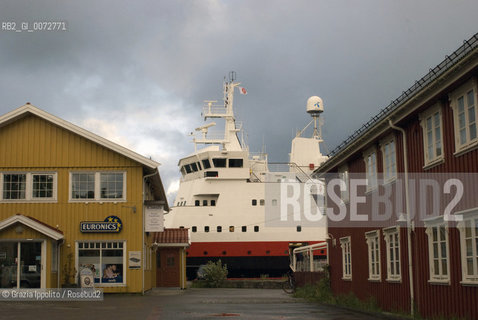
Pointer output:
x,y
194,303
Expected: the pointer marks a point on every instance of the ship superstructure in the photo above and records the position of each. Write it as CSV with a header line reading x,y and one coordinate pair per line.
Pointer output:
x,y
222,196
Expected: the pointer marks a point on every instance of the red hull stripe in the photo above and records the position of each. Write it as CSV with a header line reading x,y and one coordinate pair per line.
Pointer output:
x,y
244,249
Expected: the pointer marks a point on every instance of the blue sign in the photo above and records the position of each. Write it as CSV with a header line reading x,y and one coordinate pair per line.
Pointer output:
x,y
111,224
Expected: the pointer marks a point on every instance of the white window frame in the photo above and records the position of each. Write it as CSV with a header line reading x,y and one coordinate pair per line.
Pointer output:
x,y
345,177
346,245
438,277
125,266
470,216
394,275
371,173
373,247
29,186
462,91
97,190
389,159
433,159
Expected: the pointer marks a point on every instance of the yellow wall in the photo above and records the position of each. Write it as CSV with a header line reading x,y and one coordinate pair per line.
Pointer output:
x,y
32,144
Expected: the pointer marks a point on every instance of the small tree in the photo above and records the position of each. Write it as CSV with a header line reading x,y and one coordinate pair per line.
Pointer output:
x,y
215,274
69,271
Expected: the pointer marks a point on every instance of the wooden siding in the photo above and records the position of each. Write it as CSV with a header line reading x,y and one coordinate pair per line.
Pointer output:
x,y
33,144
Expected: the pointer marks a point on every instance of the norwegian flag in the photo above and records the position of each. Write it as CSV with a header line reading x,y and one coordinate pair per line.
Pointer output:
x,y
242,90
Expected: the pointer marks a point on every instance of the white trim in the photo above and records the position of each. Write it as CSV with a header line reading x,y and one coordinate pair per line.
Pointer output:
x,y
344,175
439,278
390,139
28,108
372,238
29,187
32,224
469,215
453,97
396,276
430,112
372,185
43,265
346,246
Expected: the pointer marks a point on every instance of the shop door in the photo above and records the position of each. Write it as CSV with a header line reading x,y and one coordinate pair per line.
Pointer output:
x,y
167,268
27,273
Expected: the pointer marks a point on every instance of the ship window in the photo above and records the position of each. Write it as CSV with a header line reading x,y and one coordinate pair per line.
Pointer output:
x,y
213,203
231,228
181,227
235,163
274,202
299,228
206,164
211,174
244,228
254,202
256,228
262,202
194,167
219,229
206,229
219,162
188,168
196,203
204,203
194,229
199,165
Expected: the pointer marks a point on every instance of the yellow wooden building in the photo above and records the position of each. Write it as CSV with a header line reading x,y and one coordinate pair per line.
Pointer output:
x,y
72,201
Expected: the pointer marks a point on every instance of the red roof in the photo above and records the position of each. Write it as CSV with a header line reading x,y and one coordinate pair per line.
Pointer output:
x,y
172,235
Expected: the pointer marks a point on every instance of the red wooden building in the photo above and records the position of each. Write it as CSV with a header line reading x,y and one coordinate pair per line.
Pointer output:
x,y
422,153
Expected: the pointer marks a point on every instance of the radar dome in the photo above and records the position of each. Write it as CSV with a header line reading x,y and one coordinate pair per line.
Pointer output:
x,y
315,105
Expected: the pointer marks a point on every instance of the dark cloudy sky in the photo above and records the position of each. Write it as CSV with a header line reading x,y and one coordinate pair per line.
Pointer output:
x,y
136,72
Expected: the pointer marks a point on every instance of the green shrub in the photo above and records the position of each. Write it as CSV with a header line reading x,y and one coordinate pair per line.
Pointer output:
x,y
215,274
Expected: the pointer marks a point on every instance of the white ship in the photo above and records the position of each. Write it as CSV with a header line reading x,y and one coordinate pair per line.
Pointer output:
x,y
222,196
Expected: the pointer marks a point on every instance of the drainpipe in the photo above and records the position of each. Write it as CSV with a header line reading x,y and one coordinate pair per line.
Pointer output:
x,y
142,243
409,220
58,262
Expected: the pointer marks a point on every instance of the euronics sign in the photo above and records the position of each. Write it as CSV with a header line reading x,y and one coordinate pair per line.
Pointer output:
x,y
111,224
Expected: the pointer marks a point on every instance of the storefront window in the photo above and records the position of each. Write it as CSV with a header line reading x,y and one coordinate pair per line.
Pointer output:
x,y
104,259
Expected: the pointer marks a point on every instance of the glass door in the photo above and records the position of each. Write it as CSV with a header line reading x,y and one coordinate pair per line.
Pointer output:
x,y
27,273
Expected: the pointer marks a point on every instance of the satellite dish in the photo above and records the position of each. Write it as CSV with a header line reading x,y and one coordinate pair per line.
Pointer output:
x,y
315,105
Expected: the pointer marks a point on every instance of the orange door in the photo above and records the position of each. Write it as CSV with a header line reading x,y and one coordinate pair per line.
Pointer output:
x,y
167,264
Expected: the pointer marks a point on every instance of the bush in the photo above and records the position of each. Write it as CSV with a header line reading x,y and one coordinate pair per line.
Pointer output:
x,y
215,274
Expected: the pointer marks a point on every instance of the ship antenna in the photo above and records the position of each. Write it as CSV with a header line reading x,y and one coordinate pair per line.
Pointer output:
x,y
232,76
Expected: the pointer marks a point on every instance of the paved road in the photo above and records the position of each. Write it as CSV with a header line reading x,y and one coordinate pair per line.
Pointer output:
x,y
176,304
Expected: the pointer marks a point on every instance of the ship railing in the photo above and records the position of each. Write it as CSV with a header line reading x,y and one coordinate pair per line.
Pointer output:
x,y
213,110
300,174
211,136
303,258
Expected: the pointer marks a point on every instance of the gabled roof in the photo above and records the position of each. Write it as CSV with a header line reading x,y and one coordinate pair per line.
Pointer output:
x,y
172,237
30,109
34,224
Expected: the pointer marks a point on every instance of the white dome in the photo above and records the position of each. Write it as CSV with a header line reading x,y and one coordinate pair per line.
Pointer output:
x,y
315,105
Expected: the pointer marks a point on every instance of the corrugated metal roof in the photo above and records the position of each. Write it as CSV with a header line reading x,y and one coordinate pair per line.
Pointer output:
x,y
172,236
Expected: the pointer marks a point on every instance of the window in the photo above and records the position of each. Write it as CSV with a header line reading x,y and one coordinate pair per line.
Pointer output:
x,y
206,229
344,176
463,102
432,135
211,174
28,186
370,158
194,229
438,251
392,241
204,203
213,203
274,202
469,247
389,159
244,229
231,228
235,163
188,168
98,186
194,167
256,228
219,229
373,242
346,258
254,202
219,162
105,259
206,164
299,228
262,202
199,165
197,203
